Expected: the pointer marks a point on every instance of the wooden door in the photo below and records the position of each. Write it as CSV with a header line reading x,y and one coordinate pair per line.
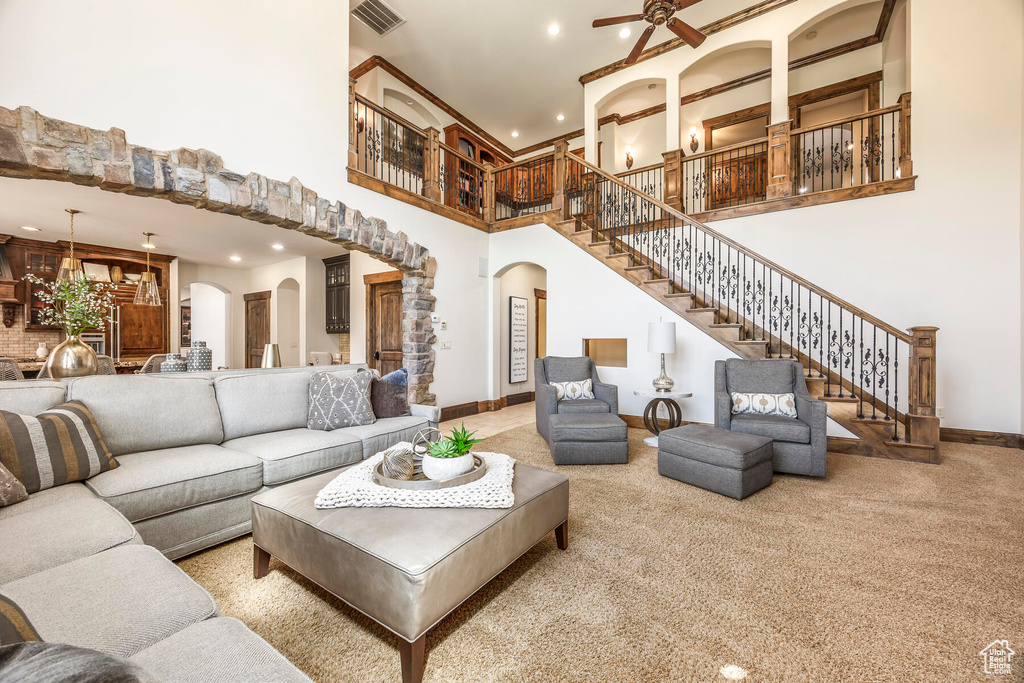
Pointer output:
x,y
257,327
384,321
142,330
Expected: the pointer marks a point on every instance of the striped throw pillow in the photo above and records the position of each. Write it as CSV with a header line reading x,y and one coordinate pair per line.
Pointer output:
x,y
57,447
14,625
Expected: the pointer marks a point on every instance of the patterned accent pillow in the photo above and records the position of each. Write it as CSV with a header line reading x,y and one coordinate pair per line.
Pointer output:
x,y
764,404
389,394
57,447
14,625
336,402
11,490
48,662
572,391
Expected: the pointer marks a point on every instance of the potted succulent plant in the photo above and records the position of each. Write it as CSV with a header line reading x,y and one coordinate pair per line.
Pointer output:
x,y
450,456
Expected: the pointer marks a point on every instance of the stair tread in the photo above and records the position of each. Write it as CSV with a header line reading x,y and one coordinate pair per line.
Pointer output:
x,y
631,268
677,295
735,326
658,281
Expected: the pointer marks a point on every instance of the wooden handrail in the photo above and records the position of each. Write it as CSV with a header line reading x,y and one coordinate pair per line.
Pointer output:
x,y
725,150
764,261
391,115
847,119
462,157
505,167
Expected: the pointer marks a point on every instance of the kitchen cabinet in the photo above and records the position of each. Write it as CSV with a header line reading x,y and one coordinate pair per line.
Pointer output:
x,y
338,294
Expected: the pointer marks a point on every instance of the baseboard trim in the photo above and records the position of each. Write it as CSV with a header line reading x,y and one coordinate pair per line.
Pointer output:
x,y
981,438
486,406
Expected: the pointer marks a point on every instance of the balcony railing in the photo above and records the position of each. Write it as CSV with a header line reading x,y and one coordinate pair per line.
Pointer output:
x,y
649,180
853,151
722,178
524,188
387,147
460,181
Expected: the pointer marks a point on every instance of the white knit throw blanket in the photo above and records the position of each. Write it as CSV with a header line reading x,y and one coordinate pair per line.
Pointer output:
x,y
355,487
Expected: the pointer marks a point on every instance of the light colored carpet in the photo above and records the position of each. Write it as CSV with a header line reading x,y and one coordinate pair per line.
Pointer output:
x,y
884,571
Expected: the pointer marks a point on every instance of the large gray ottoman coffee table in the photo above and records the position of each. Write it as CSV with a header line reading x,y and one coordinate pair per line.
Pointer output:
x,y
405,568
588,439
731,463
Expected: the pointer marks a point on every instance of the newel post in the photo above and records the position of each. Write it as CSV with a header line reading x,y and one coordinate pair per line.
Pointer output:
x,y
906,162
558,202
674,179
488,198
780,156
353,115
922,424
432,166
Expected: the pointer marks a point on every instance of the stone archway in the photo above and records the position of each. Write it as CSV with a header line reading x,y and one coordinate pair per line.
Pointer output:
x,y
38,147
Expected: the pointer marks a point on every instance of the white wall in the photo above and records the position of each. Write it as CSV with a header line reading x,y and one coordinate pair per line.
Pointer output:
x,y
521,281
211,320
287,311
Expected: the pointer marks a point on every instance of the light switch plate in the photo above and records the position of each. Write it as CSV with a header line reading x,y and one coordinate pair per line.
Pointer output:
x,y
444,325
446,344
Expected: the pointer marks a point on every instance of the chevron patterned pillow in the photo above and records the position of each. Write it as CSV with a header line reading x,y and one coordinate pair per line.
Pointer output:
x,y
336,402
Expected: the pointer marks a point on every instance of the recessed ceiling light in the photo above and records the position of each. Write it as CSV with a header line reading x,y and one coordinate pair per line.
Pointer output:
x,y
625,33
515,133
560,117
279,247
29,228
554,30
236,258
409,102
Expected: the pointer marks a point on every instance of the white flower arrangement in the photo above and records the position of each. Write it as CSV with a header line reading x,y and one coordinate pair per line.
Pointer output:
x,y
75,305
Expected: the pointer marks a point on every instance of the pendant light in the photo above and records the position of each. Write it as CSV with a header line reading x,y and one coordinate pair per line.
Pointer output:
x,y
70,267
147,294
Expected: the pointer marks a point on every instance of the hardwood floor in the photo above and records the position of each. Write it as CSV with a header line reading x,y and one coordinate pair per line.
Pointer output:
x,y
489,424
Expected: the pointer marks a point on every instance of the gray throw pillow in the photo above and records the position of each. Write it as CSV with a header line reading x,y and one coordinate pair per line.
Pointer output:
x,y
11,490
48,662
390,394
336,402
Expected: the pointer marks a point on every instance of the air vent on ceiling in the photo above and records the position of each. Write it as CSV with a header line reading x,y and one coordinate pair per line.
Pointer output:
x,y
378,16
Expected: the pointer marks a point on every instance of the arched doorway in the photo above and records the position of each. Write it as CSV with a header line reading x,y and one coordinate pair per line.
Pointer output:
x,y
287,321
522,328
209,316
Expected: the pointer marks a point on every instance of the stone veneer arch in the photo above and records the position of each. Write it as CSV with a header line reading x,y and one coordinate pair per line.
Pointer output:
x,y
38,147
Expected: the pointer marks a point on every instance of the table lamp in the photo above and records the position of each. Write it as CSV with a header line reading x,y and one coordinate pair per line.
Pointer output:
x,y
661,338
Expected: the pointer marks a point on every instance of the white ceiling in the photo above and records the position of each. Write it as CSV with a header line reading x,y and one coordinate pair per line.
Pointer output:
x,y
501,68
118,220
505,72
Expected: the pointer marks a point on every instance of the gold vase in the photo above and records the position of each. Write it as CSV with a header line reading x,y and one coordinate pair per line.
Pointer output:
x,y
72,358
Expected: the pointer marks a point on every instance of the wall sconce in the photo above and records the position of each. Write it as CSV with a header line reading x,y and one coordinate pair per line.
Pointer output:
x,y
693,139
360,120
629,156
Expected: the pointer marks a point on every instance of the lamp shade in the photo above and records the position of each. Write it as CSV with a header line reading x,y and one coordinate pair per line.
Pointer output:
x,y
661,338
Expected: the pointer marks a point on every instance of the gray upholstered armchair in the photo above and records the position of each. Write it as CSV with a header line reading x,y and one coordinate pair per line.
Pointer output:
x,y
556,369
800,444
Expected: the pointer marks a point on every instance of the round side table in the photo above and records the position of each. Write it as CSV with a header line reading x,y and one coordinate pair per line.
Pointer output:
x,y
668,399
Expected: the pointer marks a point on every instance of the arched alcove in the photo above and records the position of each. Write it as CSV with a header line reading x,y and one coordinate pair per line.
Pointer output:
x,y
523,281
210,311
287,324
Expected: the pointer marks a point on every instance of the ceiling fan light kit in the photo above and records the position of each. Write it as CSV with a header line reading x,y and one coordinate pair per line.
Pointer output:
x,y
657,13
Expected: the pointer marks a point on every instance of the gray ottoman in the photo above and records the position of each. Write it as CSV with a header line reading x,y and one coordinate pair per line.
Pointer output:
x,y
730,463
588,439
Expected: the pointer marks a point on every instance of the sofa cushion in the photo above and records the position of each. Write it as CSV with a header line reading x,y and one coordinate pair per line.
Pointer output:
x,y
769,376
14,625
119,602
47,497
56,447
153,483
262,402
49,662
582,405
389,394
31,397
336,402
221,649
775,427
383,434
559,369
295,453
139,413
57,534
11,490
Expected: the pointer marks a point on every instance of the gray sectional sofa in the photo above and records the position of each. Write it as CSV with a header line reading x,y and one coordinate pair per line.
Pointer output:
x,y
89,562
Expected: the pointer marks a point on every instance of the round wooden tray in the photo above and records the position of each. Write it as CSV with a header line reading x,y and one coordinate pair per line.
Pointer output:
x,y
420,483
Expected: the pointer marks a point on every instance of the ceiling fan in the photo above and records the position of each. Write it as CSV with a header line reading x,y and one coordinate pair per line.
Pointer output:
x,y
656,13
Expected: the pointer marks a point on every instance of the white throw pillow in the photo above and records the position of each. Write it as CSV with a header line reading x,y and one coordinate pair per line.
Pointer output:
x,y
764,404
572,391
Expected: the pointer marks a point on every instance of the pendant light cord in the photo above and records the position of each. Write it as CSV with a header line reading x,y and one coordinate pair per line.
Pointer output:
x,y
72,236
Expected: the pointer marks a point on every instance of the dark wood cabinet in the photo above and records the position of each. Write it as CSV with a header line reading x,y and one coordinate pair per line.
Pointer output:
x,y
457,137
43,263
339,277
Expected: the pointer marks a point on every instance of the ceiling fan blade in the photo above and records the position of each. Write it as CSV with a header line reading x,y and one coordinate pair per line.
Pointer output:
x,y
634,54
612,21
686,32
683,4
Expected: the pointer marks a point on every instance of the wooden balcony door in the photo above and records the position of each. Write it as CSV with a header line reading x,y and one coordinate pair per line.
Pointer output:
x,y
384,321
257,327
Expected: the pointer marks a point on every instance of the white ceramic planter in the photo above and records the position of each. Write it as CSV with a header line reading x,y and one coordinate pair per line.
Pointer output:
x,y
446,468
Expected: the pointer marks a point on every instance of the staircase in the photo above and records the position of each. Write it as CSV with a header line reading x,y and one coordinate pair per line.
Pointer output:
x,y
877,381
